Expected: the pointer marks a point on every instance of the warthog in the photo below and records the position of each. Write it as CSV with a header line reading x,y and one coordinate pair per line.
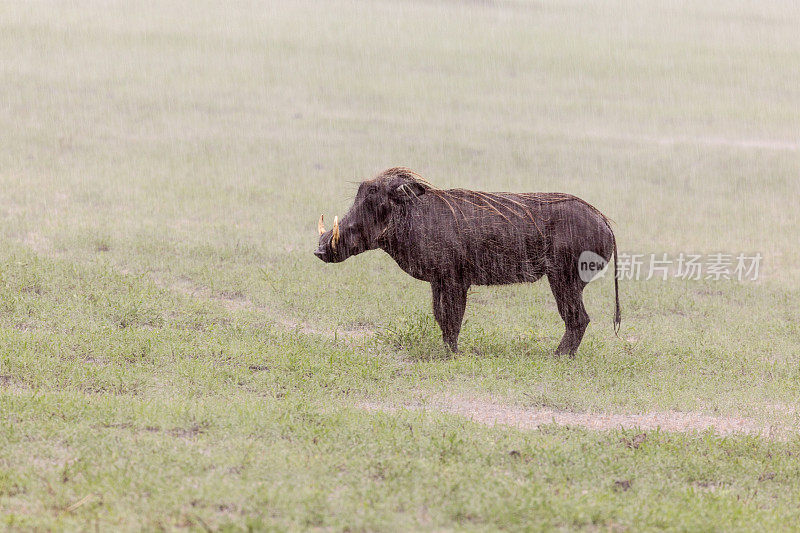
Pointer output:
x,y
456,238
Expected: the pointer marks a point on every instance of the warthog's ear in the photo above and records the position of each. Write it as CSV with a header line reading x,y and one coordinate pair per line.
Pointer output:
x,y
407,191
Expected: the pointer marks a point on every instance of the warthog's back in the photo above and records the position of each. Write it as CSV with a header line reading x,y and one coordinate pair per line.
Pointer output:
x,y
495,238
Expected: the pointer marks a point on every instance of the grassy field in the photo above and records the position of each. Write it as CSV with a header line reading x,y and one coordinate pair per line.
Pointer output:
x,y
173,356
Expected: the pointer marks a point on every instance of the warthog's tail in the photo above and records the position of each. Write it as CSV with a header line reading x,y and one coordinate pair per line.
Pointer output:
x,y
617,313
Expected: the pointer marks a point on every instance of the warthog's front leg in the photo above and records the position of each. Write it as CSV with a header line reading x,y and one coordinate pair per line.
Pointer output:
x,y
449,302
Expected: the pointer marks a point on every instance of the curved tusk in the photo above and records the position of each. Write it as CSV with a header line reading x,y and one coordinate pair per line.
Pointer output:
x,y
335,238
320,225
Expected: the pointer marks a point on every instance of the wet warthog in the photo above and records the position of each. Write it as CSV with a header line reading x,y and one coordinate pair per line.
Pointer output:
x,y
456,238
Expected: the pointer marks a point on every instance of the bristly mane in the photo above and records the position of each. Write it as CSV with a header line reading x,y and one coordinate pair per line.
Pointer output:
x,y
407,172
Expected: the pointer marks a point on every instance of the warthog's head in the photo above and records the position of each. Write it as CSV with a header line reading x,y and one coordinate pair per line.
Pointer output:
x,y
370,216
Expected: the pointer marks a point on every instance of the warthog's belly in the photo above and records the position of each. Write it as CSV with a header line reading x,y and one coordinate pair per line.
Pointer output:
x,y
494,268
479,257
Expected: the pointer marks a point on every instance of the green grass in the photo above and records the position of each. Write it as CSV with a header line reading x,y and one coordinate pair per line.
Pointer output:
x,y
171,349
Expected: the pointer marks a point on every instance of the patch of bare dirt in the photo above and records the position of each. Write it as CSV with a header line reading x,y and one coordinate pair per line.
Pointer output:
x,y
492,413
188,432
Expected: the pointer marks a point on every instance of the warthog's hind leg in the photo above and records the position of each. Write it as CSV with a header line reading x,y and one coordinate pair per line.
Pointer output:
x,y
449,303
569,299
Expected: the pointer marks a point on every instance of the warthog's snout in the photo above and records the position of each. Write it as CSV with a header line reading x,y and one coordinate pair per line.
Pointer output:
x,y
328,247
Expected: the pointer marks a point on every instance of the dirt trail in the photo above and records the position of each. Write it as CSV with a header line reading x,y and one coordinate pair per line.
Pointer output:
x,y
489,411
492,412
234,302
243,303
757,144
